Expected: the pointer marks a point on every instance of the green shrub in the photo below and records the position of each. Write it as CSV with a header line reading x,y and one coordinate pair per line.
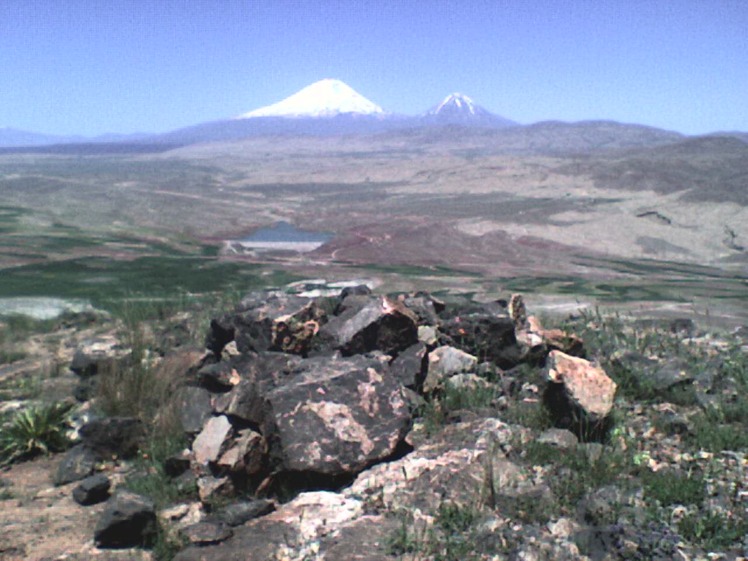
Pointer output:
x,y
574,473
436,411
450,538
37,430
710,434
670,488
406,538
713,531
150,478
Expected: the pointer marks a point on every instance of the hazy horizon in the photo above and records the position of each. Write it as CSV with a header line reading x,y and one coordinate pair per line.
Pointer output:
x,y
91,68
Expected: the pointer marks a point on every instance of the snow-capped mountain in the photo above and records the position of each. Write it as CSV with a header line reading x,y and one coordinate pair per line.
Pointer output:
x,y
326,98
459,109
457,103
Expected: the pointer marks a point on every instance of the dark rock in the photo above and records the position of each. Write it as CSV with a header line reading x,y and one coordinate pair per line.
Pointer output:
x,y
438,305
95,355
358,290
338,416
194,408
632,361
365,539
261,541
382,325
672,423
246,454
92,490
217,377
257,375
220,334
277,322
489,337
560,438
85,390
206,533
78,463
120,436
683,326
176,465
175,335
186,482
424,307
288,533
128,520
671,373
355,300
238,513
409,368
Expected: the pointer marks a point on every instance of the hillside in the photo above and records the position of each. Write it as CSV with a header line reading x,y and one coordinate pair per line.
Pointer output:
x,y
299,427
458,206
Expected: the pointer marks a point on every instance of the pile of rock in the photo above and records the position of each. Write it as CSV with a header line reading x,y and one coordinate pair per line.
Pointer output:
x,y
299,397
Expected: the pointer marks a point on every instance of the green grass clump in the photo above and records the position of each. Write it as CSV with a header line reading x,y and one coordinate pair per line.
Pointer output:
x,y
576,472
33,431
669,488
713,531
438,408
450,538
150,478
14,330
711,434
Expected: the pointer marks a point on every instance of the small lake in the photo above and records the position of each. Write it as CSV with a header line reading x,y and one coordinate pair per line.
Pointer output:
x,y
41,307
283,232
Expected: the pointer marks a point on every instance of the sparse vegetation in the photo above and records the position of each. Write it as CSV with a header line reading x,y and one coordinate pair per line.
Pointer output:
x,y
668,488
450,538
713,530
38,429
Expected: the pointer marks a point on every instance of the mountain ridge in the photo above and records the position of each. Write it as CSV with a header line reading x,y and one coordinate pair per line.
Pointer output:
x,y
330,107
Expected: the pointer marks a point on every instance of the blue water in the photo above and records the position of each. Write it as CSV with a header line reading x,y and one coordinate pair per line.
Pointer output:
x,y
285,232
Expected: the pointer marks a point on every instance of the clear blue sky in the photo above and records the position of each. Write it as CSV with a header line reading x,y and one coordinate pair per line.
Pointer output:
x,y
95,66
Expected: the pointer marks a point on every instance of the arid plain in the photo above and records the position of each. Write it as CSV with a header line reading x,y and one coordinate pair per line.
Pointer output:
x,y
588,212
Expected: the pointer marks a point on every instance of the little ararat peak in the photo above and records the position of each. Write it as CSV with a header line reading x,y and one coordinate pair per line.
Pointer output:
x,y
456,102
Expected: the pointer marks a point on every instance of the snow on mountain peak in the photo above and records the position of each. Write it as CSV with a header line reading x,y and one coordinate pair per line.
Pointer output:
x,y
456,102
325,98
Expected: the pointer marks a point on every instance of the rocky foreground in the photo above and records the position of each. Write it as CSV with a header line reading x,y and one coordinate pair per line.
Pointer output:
x,y
375,427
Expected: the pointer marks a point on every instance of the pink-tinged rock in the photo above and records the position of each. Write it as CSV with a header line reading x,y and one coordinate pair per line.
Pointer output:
x,y
382,324
445,362
294,531
209,487
247,453
538,341
557,339
337,416
585,386
277,322
208,444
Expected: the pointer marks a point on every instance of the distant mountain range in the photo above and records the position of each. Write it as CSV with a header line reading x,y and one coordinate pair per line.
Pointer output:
x,y
331,107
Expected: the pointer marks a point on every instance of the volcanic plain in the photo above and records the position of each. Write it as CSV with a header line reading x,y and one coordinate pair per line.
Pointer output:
x,y
582,213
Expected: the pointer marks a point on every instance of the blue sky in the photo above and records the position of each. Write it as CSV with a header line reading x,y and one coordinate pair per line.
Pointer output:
x,y
95,66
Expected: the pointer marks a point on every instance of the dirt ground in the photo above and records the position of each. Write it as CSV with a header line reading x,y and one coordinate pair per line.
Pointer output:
x,y
41,522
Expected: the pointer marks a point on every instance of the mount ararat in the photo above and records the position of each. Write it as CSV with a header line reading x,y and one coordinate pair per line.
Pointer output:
x,y
330,108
